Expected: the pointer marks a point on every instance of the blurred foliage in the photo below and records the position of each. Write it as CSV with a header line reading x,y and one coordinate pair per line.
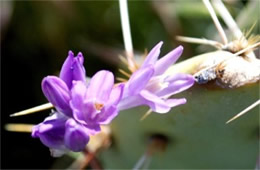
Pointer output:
x,y
37,35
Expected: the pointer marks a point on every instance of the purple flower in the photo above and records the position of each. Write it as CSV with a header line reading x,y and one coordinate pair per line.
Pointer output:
x,y
57,89
61,134
81,107
76,135
73,69
51,131
96,103
150,86
58,93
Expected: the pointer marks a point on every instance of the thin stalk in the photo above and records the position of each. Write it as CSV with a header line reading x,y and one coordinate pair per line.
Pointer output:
x,y
126,31
33,110
216,21
228,19
146,114
200,41
230,22
244,111
13,127
251,47
143,162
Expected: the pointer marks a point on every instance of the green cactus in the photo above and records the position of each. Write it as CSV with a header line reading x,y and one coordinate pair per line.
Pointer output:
x,y
198,135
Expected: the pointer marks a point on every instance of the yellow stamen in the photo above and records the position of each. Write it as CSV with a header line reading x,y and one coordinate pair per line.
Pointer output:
x,y
124,73
99,106
123,59
121,79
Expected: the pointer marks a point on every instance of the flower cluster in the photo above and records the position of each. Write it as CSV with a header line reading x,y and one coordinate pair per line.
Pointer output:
x,y
150,86
82,107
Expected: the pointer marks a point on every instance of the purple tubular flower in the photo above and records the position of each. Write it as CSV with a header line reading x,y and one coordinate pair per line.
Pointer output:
x,y
96,103
81,107
51,131
150,86
57,89
73,69
57,92
76,136
61,134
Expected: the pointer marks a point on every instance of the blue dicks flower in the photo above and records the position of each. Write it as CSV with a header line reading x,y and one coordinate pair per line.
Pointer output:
x,y
76,135
51,131
81,107
150,86
57,92
57,89
96,103
73,69
61,134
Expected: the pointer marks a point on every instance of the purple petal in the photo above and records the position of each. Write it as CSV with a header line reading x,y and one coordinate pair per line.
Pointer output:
x,y
139,79
78,94
93,128
130,102
73,69
83,109
66,74
176,102
116,95
100,86
76,136
156,104
57,92
153,55
51,131
79,72
80,57
85,113
165,62
107,115
178,83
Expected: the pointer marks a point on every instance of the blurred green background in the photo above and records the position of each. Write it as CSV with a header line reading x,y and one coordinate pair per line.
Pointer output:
x,y
36,37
